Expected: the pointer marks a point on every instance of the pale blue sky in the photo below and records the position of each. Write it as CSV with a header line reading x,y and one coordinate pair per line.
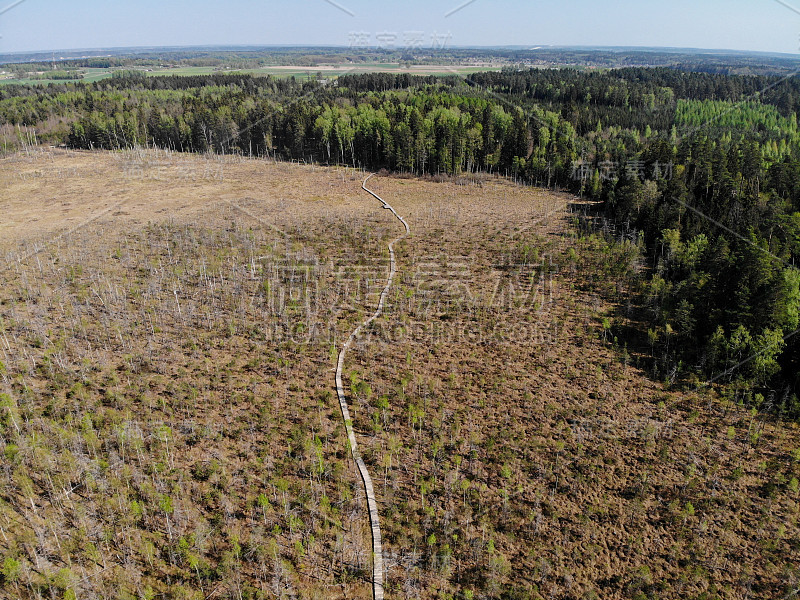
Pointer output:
x,y
764,25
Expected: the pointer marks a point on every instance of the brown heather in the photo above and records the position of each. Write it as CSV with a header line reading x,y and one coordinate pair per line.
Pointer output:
x,y
169,426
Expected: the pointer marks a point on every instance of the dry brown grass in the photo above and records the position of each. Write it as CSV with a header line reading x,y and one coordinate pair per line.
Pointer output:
x,y
169,328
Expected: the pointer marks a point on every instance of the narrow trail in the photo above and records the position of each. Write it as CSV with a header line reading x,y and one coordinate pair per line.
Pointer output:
x,y
372,505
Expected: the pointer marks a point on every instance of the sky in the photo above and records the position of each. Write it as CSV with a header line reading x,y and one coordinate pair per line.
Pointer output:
x,y
763,25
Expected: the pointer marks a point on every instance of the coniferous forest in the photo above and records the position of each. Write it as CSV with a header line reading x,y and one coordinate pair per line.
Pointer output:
x,y
696,177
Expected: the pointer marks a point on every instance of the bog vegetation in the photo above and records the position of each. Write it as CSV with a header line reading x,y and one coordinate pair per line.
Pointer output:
x,y
170,427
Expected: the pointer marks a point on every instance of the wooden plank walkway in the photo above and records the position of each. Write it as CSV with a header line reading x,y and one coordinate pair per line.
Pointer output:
x,y
372,505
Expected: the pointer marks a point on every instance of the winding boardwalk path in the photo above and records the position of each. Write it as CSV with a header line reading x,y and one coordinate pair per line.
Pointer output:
x,y
372,505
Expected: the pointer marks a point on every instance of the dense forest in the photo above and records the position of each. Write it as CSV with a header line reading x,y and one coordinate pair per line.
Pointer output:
x,y
698,175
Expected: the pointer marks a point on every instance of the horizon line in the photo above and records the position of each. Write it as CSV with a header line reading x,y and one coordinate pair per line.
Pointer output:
x,y
521,47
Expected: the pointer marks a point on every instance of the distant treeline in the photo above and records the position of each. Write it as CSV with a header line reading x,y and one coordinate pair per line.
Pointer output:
x,y
699,173
740,63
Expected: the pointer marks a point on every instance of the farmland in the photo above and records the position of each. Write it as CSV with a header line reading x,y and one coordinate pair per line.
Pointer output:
x,y
331,71
170,326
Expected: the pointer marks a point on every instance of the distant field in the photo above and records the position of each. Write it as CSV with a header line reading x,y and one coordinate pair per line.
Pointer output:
x,y
302,73
89,76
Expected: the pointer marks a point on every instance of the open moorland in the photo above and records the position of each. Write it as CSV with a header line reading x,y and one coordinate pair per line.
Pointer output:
x,y
170,326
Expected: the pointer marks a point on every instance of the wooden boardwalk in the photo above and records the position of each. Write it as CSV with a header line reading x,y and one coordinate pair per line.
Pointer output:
x,y
372,505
